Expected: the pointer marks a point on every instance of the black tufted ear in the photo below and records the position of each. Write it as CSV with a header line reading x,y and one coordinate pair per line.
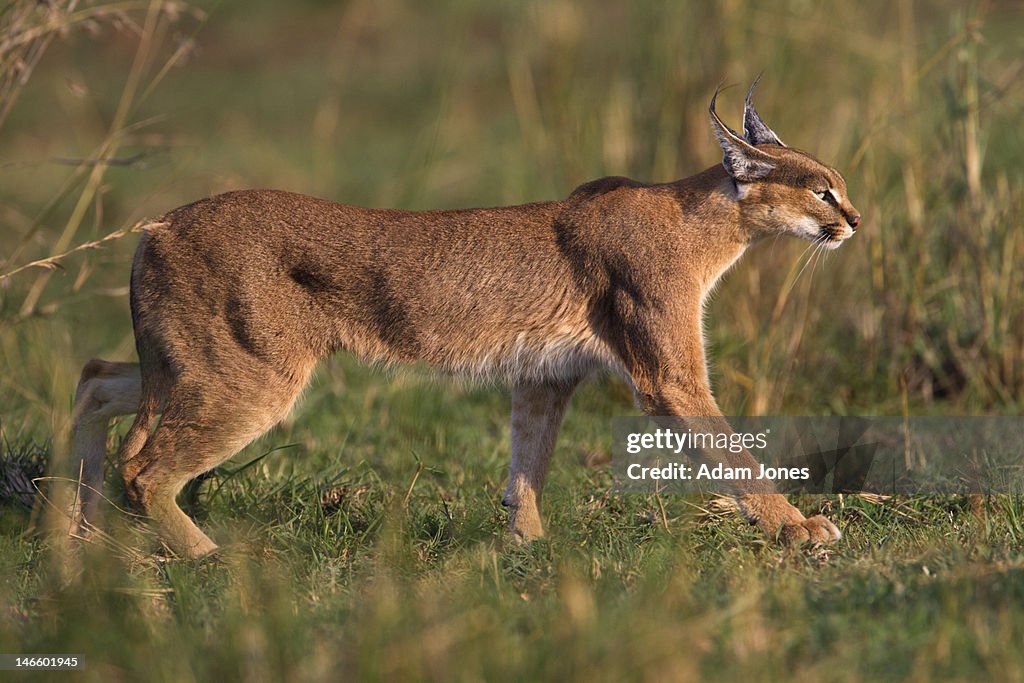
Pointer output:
x,y
755,130
743,161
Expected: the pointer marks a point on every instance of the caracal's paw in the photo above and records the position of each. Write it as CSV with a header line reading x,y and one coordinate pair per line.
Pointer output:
x,y
524,525
815,530
522,534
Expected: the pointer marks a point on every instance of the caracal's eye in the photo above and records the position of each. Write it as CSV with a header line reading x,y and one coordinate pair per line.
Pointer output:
x,y
824,195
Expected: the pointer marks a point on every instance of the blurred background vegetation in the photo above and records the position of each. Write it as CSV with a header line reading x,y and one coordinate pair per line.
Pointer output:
x,y
416,106
463,104
111,112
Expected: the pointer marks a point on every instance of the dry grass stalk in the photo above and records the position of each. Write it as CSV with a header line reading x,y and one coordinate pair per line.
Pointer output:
x,y
51,262
27,28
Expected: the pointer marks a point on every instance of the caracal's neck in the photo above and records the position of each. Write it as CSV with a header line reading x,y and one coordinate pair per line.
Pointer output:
x,y
713,228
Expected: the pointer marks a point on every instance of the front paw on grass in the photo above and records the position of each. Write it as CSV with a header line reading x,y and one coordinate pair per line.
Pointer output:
x,y
815,530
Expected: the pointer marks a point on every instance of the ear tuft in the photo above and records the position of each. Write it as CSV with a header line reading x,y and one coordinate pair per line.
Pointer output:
x,y
741,160
756,131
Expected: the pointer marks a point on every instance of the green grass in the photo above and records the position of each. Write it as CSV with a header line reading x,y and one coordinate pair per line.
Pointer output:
x,y
333,567
338,561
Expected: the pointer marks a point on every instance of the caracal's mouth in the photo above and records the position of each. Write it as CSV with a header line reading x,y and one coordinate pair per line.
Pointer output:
x,y
833,235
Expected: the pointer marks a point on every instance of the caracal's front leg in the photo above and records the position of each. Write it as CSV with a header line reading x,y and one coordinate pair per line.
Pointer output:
x,y
758,501
537,411
670,379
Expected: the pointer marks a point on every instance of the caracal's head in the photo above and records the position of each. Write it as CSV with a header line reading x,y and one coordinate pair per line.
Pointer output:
x,y
782,190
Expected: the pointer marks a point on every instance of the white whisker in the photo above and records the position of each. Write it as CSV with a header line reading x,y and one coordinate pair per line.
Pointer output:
x,y
804,266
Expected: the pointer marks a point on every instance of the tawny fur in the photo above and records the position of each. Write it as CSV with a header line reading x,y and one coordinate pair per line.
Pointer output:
x,y
236,298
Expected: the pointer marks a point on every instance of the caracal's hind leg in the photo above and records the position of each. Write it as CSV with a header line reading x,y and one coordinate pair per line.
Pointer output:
x,y
204,423
537,411
105,390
